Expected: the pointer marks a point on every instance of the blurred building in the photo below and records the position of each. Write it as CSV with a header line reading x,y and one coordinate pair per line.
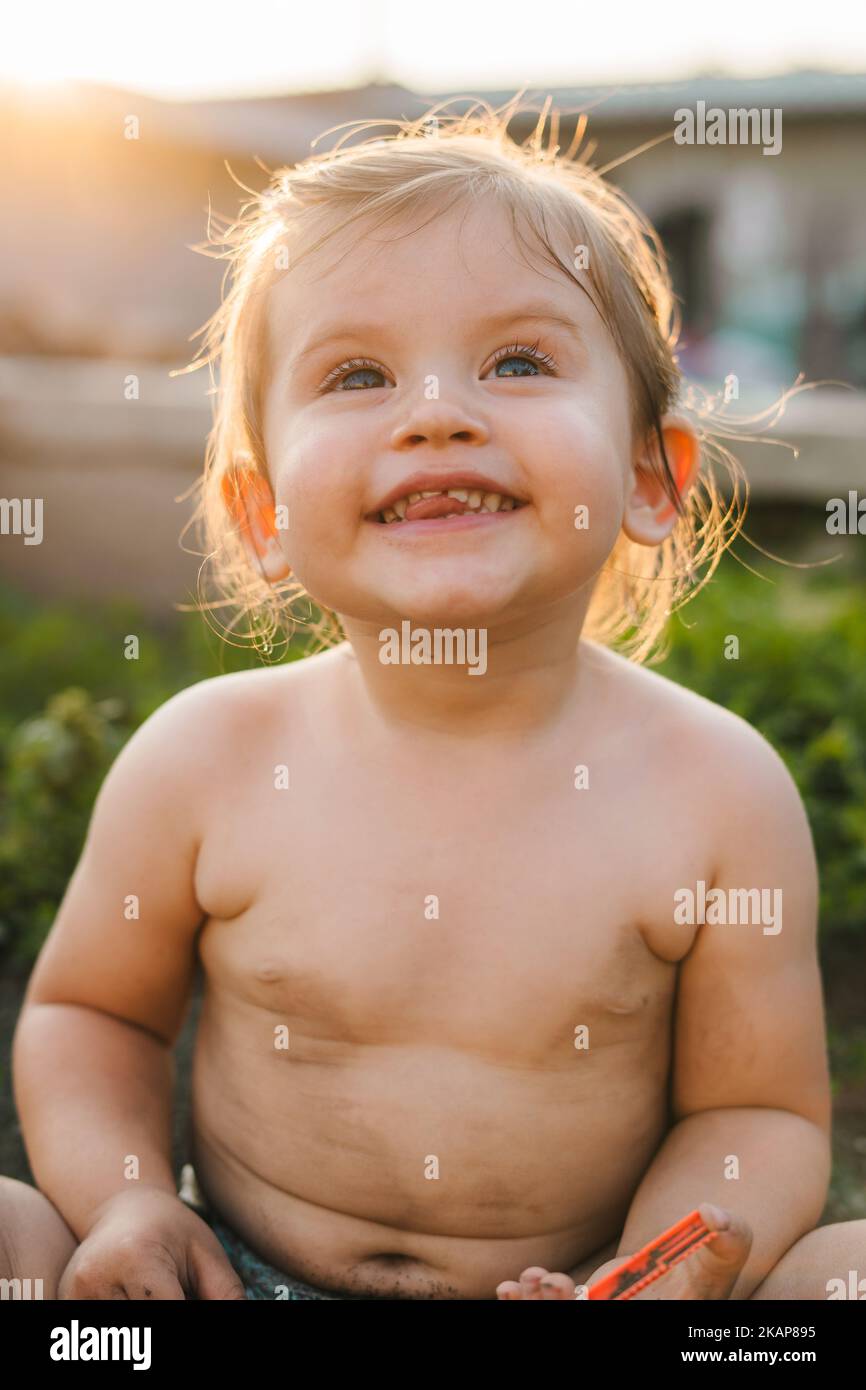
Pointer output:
x,y
98,281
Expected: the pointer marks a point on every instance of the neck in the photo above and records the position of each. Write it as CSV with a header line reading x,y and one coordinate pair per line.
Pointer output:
x,y
522,677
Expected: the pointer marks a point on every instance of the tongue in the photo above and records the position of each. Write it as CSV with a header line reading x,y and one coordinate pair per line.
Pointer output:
x,y
433,507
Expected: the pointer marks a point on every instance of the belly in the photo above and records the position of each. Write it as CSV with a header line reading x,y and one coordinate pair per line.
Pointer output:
x,y
408,1169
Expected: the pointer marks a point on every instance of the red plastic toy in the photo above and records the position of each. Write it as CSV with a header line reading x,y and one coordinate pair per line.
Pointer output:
x,y
654,1259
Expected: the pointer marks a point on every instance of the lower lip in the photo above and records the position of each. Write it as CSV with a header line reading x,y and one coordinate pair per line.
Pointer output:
x,y
446,524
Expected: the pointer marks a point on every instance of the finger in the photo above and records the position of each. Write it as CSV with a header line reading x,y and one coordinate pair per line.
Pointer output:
x,y
211,1273
508,1289
82,1280
557,1286
530,1281
714,1268
91,1290
147,1271
605,1269
733,1239
154,1285
148,1281
733,1233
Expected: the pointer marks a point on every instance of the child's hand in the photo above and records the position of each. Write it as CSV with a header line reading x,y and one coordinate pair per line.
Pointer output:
x,y
710,1273
537,1283
147,1244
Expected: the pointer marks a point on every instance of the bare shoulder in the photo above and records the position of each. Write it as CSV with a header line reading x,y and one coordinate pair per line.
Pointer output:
x,y
719,760
242,702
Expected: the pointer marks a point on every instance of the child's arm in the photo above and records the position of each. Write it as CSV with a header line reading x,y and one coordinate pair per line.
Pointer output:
x,y
750,1084
92,1053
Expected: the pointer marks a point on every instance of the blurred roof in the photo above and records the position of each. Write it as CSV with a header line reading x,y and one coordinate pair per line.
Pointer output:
x,y
274,127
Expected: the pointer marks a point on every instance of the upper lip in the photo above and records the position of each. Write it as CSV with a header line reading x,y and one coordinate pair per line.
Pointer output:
x,y
442,482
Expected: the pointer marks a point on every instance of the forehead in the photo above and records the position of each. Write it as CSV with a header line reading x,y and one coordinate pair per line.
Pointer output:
x,y
443,268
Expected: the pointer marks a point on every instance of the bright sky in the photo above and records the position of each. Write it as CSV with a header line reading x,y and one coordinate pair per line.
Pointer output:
x,y
190,48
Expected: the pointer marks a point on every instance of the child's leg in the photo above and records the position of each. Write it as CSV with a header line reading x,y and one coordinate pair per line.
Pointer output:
x,y
832,1252
35,1241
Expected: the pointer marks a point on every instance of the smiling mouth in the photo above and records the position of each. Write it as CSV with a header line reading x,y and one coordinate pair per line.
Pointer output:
x,y
439,505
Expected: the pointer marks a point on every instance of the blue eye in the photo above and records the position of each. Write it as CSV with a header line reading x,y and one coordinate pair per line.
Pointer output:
x,y
359,371
362,369
358,366
527,368
527,356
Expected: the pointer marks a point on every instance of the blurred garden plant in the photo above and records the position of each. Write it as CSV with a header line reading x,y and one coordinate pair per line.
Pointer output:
x,y
54,764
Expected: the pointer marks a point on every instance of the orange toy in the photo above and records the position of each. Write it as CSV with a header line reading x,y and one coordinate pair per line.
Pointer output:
x,y
654,1259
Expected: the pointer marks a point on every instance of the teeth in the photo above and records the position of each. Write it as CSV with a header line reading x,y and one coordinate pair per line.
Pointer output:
x,y
474,501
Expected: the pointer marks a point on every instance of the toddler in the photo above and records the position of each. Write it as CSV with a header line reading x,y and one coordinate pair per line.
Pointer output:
x,y
489,1000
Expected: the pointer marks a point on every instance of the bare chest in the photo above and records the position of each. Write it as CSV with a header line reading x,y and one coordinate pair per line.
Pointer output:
x,y
520,926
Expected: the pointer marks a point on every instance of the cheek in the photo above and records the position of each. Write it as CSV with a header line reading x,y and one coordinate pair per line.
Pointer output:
x,y
579,454
319,477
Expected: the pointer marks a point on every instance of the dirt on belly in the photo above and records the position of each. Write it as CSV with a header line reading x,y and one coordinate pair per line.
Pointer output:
x,y
843,985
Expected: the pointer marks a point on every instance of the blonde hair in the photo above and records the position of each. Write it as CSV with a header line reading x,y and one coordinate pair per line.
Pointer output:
x,y
436,161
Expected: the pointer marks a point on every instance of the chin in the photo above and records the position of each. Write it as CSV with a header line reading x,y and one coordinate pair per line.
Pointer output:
x,y
454,606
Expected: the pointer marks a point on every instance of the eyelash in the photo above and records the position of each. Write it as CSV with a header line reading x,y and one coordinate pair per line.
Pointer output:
x,y
355,364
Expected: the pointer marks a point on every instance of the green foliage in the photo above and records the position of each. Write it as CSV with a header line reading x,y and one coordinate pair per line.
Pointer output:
x,y
70,701
54,765
848,1055
800,678
44,648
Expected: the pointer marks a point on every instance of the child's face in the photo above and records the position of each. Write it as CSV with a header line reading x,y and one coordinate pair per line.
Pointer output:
x,y
443,312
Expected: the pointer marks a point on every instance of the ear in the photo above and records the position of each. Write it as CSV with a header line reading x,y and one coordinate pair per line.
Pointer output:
x,y
248,497
649,513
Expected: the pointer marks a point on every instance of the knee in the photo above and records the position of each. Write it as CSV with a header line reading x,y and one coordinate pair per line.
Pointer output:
x,y
827,1263
35,1241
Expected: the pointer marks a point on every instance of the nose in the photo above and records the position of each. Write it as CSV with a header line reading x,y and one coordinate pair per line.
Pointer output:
x,y
438,422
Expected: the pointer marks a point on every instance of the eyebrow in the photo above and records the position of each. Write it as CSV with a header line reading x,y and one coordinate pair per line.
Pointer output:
x,y
539,312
